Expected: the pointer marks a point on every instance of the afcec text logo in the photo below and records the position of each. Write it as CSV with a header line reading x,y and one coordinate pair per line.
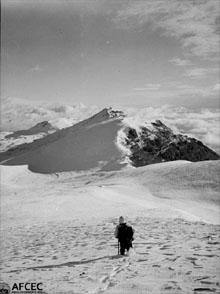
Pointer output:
x,y
27,288
20,288
4,288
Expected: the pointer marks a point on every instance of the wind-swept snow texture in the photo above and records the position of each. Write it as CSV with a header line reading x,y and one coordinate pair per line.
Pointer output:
x,y
59,229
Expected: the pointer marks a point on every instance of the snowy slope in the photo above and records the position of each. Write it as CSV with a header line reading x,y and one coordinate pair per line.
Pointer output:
x,y
162,186
107,141
42,127
86,145
7,143
59,229
9,140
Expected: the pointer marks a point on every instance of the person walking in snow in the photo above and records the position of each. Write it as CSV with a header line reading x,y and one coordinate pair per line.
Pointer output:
x,y
124,233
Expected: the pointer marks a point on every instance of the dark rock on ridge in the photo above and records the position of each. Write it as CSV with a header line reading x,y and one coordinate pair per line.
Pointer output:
x,y
93,141
159,143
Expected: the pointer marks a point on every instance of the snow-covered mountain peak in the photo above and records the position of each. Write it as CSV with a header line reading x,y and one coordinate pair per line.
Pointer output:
x,y
108,113
42,127
108,141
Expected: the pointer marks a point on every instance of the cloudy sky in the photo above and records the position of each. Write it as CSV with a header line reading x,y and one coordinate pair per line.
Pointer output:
x,y
107,52
159,59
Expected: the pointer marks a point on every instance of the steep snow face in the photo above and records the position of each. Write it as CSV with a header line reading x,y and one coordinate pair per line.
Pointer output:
x,y
120,142
10,140
106,141
87,145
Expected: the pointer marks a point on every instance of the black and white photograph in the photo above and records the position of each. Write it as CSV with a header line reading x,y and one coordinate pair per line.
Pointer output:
x,y
110,147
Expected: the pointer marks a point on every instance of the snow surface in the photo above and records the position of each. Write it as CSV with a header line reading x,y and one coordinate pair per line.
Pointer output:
x,y
59,229
89,144
8,143
102,142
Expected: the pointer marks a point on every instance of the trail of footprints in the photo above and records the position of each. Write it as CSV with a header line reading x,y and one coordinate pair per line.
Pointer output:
x,y
182,256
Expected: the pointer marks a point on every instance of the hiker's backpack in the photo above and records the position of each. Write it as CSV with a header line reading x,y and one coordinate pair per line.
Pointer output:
x,y
125,232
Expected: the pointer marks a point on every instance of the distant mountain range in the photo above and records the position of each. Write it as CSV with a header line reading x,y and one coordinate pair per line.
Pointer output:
x,y
104,141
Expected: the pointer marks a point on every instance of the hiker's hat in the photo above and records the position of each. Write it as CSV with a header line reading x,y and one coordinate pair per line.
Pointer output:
x,y
121,220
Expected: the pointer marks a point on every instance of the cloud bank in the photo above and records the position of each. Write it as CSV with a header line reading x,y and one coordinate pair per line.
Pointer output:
x,y
203,125
19,114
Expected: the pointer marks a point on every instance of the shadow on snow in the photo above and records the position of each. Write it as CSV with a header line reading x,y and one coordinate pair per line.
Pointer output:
x,y
69,264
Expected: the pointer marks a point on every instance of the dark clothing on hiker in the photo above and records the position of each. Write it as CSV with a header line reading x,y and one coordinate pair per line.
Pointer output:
x,y
124,234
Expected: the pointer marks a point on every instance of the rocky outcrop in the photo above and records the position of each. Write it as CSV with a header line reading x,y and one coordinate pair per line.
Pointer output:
x,y
158,143
105,141
115,113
